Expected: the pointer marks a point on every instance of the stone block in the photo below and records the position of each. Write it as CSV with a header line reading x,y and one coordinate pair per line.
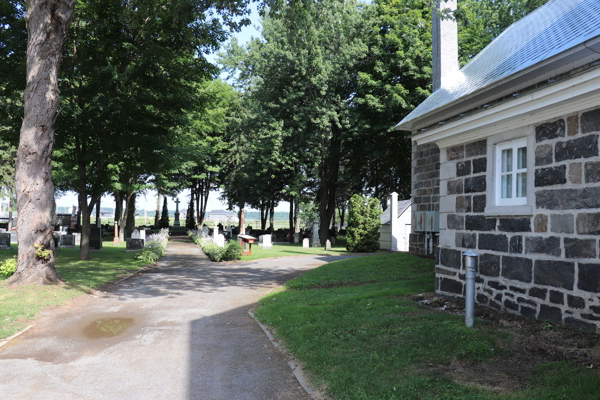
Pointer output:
x,y
575,171
448,203
5,241
580,248
550,176
455,153
517,289
552,314
443,271
479,203
475,184
446,238
538,292
466,240
135,244
557,297
559,274
488,241
479,223
588,223
550,130
575,302
489,265
515,245
479,165
463,204
517,268
592,172
584,147
543,245
450,258
451,286
590,121
573,125
543,155
456,222
589,278
514,224
455,186
562,223
482,298
463,168
540,223
496,285
478,148
577,324
568,199
591,317
448,172
528,312
510,305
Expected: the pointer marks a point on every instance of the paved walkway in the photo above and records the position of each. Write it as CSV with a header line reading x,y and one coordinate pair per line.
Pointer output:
x,y
188,336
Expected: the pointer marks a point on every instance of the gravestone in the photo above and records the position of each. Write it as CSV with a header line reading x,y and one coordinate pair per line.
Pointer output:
x,y
305,243
267,243
205,230
77,237
95,238
332,240
327,245
248,230
5,241
220,240
215,234
230,230
296,238
135,234
56,238
135,244
67,241
316,242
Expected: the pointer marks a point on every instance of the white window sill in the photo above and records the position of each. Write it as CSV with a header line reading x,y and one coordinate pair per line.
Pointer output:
x,y
512,211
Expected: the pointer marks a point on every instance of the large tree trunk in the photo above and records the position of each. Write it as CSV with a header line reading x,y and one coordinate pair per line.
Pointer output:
x,y
118,210
9,212
329,178
297,214
98,222
158,204
47,30
130,225
241,226
291,216
272,217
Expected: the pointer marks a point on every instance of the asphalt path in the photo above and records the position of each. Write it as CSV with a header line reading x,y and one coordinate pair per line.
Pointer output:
x,y
181,330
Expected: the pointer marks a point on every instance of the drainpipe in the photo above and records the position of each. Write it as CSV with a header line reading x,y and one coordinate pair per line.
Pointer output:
x,y
471,264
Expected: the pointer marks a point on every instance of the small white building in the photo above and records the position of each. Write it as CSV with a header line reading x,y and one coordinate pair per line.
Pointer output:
x,y
395,225
221,216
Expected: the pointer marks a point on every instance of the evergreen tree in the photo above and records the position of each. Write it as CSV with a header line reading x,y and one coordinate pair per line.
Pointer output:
x,y
363,224
190,221
164,218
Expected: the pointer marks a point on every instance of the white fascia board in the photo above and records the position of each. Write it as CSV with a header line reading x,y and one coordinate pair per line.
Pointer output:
x,y
577,93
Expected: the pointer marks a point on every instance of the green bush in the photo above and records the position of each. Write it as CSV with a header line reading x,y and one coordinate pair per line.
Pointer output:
x,y
363,224
164,218
230,252
8,267
154,247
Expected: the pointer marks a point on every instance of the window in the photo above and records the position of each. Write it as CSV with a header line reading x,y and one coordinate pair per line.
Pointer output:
x,y
511,173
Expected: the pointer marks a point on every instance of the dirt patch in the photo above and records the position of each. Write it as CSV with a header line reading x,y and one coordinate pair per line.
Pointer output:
x,y
534,342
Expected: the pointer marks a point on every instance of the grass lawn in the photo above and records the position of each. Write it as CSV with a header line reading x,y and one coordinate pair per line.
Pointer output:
x,y
286,250
360,336
18,305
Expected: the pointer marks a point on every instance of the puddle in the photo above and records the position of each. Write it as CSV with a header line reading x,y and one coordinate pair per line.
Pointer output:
x,y
107,327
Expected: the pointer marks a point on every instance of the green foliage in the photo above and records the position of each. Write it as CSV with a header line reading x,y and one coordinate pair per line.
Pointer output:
x,y
42,253
363,224
8,267
231,251
164,217
190,218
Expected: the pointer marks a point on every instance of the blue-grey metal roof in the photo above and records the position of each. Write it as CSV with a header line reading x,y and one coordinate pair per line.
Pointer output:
x,y
385,218
550,30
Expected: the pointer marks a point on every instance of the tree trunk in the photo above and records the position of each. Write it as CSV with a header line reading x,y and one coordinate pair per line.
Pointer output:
x,y
263,219
47,24
272,217
329,173
342,215
241,226
98,222
130,224
125,214
297,214
158,204
84,245
9,212
291,216
197,207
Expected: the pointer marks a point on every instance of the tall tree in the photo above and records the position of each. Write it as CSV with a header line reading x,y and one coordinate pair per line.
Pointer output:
x,y
47,30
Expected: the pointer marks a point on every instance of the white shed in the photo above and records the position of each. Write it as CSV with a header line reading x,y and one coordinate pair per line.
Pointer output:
x,y
395,225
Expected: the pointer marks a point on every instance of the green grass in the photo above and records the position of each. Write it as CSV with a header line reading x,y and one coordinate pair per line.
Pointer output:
x,y
19,305
369,341
286,250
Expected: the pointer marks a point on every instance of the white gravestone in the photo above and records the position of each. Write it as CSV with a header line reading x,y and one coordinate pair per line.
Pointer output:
x,y
135,234
327,245
267,243
305,243
296,238
220,240
215,234
77,237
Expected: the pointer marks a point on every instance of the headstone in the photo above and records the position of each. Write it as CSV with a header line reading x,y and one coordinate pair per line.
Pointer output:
x,y
135,244
215,234
220,240
327,245
332,240
67,241
5,241
260,239
267,243
96,238
56,238
248,230
73,217
77,237
305,243
205,230
176,223
296,238
230,230
316,242
135,234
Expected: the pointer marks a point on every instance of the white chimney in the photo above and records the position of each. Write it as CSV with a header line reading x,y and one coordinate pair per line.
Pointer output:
x,y
445,44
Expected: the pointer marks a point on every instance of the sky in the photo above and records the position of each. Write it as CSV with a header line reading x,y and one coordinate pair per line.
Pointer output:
x,y
147,201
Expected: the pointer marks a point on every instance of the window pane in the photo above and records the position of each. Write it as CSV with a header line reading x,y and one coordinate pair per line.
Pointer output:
x,y
522,184
506,186
522,158
507,160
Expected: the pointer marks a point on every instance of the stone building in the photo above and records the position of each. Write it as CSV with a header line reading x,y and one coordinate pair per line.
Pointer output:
x,y
517,131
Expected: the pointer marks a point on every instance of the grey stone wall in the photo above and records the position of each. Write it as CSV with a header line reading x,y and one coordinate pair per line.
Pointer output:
x,y
545,265
425,189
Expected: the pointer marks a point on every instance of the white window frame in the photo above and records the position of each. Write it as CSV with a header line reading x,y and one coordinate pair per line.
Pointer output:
x,y
514,145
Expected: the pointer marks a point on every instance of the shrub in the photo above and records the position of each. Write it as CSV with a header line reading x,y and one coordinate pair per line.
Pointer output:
x,y
164,218
8,267
230,252
154,247
363,224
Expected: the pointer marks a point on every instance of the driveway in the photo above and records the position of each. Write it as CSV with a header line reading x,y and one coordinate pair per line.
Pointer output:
x,y
179,331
